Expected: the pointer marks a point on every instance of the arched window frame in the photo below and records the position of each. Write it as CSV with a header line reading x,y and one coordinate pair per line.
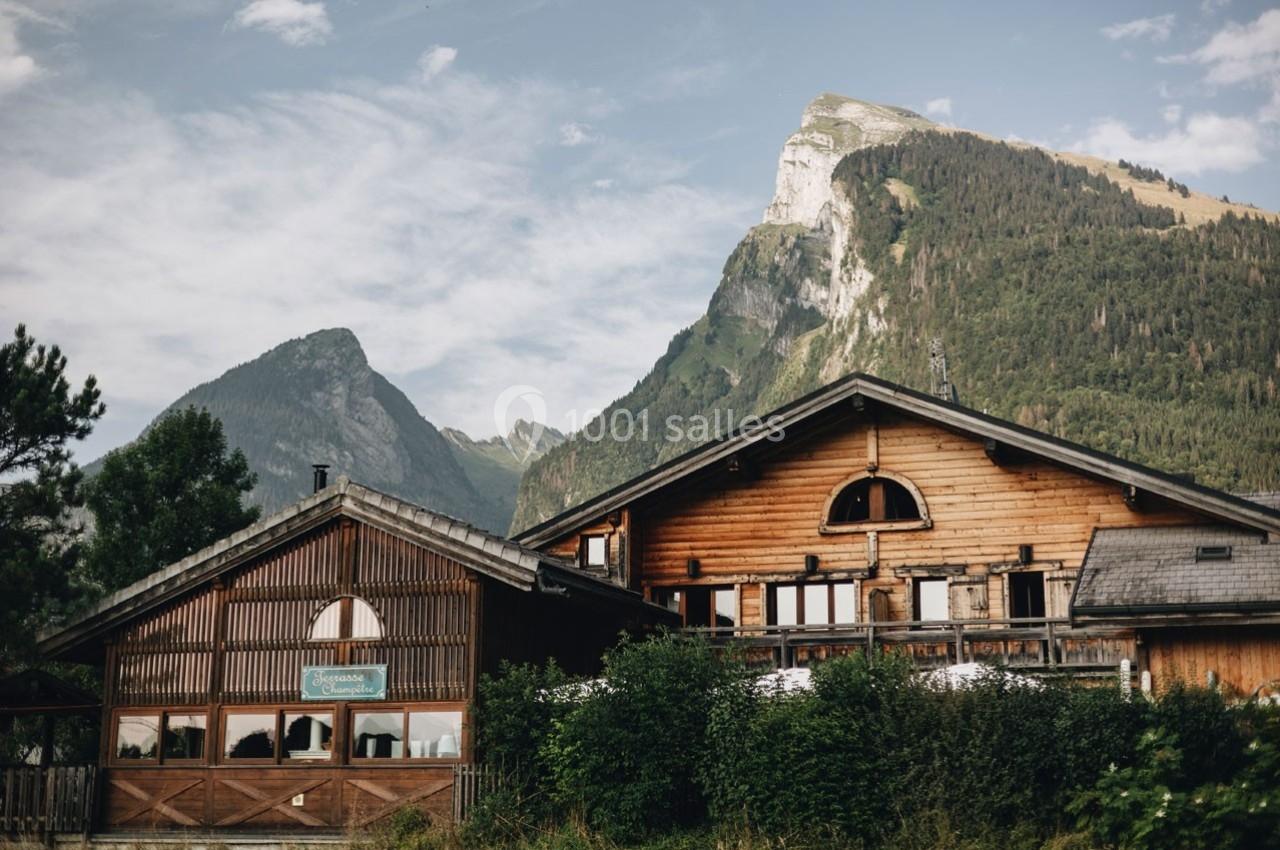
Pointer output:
x,y
825,526
345,619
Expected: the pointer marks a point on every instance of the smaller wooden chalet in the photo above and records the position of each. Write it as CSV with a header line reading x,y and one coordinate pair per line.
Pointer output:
x,y
1205,600
316,668
867,514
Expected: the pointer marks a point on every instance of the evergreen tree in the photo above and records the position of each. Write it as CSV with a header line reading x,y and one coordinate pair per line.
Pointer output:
x,y
38,416
173,491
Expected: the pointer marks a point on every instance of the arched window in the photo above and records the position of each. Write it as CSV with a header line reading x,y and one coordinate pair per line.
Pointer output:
x,y
871,501
365,624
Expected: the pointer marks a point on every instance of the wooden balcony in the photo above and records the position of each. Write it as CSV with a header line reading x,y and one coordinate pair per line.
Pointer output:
x,y
1040,644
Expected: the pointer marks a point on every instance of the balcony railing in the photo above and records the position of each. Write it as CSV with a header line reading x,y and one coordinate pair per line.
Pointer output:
x,y
1034,643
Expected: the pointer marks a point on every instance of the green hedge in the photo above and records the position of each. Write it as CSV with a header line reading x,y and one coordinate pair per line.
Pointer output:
x,y
674,737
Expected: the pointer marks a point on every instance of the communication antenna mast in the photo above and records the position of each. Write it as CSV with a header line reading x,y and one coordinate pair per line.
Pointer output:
x,y
941,386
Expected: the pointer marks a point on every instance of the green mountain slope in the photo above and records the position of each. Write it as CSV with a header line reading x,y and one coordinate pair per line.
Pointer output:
x,y
317,400
494,466
1064,303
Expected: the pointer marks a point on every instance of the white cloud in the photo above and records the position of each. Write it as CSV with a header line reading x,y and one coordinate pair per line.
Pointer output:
x,y
296,22
1171,114
1156,28
940,106
177,245
603,184
17,68
574,134
435,60
1241,53
1208,142
1208,7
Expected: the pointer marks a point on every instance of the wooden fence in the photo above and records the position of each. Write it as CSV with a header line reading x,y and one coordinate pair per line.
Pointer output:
x,y
1039,643
471,784
45,800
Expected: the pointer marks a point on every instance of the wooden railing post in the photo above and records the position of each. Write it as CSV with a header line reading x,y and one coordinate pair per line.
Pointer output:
x,y
1053,646
959,643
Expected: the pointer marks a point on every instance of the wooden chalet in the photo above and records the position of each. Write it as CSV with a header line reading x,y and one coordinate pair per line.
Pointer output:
x,y
315,670
867,514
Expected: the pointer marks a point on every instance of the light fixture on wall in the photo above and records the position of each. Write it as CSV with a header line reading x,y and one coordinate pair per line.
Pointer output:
x,y
1024,553
692,567
810,564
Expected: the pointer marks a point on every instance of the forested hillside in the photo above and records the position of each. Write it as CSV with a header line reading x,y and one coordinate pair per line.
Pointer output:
x,y
1063,302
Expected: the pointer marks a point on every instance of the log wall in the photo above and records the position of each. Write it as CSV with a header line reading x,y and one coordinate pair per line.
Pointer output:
x,y
757,530
1243,658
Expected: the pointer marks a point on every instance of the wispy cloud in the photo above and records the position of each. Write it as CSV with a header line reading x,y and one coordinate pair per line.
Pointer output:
x,y
1207,142
940,106
1157,28
574,134
411,212
17,67
1240,53
686,81
295,22
435,60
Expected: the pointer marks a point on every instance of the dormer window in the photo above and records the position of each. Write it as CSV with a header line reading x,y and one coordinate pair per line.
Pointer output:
x,y
362,622
593,550
879,501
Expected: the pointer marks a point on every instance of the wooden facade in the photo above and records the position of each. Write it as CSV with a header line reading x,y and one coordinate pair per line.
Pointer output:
x,y
205,724
991,525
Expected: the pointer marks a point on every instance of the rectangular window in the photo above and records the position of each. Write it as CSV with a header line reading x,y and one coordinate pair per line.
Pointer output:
x,y
430,734
931,601
308,735
595,550
184,736
435,734
249,736
725,601
137,736
813,603
377,734
700,605
1026,594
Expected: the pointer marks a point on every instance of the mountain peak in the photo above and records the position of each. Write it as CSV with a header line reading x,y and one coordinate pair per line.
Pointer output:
x,y
831,127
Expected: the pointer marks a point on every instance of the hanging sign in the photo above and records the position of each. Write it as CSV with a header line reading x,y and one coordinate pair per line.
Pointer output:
x,y
357,681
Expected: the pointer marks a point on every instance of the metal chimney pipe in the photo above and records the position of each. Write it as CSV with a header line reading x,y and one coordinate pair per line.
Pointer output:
x,y
320,477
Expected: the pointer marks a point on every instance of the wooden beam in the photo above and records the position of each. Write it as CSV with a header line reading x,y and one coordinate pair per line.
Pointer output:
x,y
1134,498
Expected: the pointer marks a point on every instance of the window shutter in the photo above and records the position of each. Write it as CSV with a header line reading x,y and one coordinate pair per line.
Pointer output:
x,y
878,603
1058,586
969,598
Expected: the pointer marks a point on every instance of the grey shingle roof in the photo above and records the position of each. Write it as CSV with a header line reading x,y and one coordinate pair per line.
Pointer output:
x,y
1148,570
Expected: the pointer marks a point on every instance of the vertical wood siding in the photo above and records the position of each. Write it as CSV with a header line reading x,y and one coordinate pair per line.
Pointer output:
x,y
421,598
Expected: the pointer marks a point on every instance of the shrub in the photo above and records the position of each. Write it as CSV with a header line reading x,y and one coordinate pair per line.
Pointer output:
x,y
516,716
1171,798
626,756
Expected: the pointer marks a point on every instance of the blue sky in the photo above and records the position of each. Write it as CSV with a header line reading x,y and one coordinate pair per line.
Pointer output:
x,y
527,192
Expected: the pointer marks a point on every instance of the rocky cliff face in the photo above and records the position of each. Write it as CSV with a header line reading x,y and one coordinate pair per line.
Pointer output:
x,y
831,127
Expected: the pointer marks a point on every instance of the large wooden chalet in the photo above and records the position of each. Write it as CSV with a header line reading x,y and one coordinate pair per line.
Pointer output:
x,y
316,669
869,514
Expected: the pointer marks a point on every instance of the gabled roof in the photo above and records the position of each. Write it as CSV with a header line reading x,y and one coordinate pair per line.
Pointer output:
x,y
1155,572
1213,503
486,553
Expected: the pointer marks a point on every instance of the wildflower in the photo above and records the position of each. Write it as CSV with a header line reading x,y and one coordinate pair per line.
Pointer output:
x,y
1262,804
1159,813
1124,793
1167,796
1199,801
1111,768
1253,745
